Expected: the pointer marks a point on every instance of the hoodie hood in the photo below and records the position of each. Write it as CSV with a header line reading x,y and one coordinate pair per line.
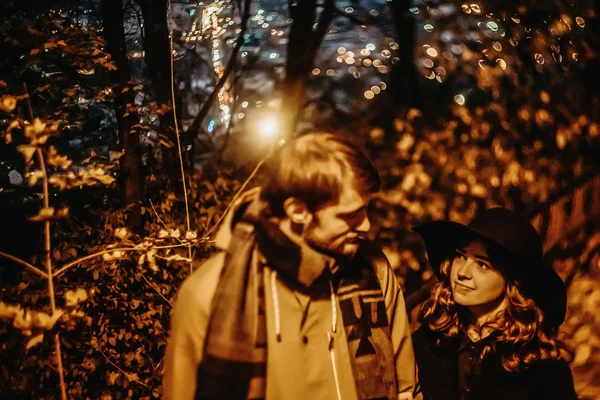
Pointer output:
x,y
235,213
281,252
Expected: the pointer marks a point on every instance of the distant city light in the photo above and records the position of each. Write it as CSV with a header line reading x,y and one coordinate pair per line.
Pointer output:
x,y
370,46
459,99
493,26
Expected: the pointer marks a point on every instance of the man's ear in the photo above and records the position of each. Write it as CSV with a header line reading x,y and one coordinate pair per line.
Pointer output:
x,y
297,211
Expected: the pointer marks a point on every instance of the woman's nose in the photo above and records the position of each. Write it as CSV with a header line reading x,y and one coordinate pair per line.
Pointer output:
x,y
464,272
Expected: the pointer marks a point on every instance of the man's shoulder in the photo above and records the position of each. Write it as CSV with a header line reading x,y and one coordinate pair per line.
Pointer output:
x,y
376,258
199,287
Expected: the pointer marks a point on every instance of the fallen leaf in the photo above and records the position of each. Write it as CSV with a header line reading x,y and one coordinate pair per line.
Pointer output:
x,y
74,297
37,339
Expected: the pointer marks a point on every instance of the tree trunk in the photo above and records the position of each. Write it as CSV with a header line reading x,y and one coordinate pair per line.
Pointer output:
x,y
404,79
130,178
302,48
157,50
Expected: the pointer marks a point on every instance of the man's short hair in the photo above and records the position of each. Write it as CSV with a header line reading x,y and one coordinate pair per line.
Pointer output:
x,y
313,168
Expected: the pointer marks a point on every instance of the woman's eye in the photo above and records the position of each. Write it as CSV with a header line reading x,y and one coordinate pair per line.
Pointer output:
x,y
461,256
483,265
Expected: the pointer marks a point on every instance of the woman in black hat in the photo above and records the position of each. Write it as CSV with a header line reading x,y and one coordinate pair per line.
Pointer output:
x,y
489,328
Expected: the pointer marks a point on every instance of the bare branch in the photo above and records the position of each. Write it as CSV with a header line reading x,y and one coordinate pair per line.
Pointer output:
x,y
30,267
127,375
156,290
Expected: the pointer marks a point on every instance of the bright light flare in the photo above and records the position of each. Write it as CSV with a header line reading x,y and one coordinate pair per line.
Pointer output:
x,y
268,127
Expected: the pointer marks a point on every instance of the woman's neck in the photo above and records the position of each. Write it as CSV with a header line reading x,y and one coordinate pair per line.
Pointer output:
x,y
485,317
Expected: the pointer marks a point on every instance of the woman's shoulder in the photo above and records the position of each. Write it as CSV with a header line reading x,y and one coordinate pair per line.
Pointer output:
x,y
552,369
425,337
554,378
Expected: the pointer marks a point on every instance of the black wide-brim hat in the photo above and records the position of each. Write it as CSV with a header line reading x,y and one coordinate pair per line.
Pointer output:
x,y
508,234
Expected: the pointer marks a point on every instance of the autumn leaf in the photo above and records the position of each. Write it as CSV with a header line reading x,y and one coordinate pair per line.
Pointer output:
x,y
56,180
27,151
38,125
37,339
120,233
191,235
176,257
9,311
45,321
132,377
8,103
61,213
105,179
44,214
112,377
115,255
74,297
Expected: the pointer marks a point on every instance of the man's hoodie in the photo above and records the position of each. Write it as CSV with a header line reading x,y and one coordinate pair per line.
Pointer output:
x,y
301,364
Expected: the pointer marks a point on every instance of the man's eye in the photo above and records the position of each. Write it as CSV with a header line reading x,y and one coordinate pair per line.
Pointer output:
x,y
461,256
483,265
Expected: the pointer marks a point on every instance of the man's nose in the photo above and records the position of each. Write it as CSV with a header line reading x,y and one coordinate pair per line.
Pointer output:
x,y
364,226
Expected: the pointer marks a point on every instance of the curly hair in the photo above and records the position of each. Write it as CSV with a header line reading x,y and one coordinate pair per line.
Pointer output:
x,y
521,339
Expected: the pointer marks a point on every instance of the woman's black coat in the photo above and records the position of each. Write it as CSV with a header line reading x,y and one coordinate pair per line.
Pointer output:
x,y
438,374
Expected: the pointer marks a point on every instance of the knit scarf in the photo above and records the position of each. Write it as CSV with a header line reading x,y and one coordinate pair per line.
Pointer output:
x,y
235,355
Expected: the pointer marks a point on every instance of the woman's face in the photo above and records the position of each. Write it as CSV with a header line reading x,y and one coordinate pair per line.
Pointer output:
x,y
474,281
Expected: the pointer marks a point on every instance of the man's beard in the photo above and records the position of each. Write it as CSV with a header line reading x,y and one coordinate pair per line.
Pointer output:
x,y
338,252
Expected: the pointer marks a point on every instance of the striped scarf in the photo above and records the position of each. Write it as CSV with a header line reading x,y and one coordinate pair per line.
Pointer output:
x,y
235,355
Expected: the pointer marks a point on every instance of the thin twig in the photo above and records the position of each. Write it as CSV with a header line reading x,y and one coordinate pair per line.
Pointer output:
x,y
187,207
157,216
127,375
237,195
102,252
47,257
156,290
30,267
160,219
160,362
88,257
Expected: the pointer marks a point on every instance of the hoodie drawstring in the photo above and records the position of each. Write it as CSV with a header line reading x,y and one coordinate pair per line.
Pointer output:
x,y
276,305
330,334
